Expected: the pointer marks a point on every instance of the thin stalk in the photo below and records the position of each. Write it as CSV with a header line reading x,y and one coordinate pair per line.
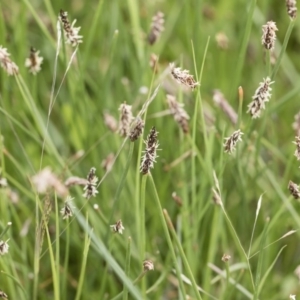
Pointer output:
x,y
127,268
5,229
57,245
66,262
168,238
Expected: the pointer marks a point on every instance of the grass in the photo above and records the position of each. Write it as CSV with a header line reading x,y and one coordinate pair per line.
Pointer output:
x,y
55,119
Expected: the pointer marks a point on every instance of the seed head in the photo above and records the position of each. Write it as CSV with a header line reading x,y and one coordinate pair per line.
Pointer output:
x,y
3,247
108,162
148,265
296,124
180,115
90,188
67,210
294,189
157,27
154,62
110,122
291,8
118,227
3,295
230,142
261,96
221,102
222,40
269,35
150,155
183,77
297,143
71,32
226,257
137,130
9,66
125,119
34,61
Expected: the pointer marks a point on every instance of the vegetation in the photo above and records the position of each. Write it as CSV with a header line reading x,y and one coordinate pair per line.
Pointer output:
x,y
211,213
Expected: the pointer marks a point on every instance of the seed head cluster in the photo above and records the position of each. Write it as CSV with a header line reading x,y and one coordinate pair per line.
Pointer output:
x,y
261,96
291,8
126,119
149,157
34,61
157,27
6,63
137,129
180,115
230,142
118,227
183,77
90,188
269,35
294,189
71,32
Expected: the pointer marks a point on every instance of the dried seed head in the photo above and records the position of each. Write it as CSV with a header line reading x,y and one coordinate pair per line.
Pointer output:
x,y
230,142
157,27
137,130
108,162
222,40
46,179
67,210
226,257
90,188
3,247
9,66
291,8
110,122
296,124
154,62
71,32
3,295
125,119
180,115
150,155
269,35
221,102
148,265
34,61
177,199
183,77
294,189
73,180
118,227
297,143
261,96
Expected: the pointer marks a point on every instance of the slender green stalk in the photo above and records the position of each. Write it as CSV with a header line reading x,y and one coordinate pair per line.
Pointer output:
x,y
143,228
245,40
283,48
17,282
5,229
182,255
57,245
168,238
127,268
66,262
87,242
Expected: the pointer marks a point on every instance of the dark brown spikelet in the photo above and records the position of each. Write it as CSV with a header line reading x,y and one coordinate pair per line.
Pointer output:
x,y
137,130
64,19
294,189
157,27
149,157
291,8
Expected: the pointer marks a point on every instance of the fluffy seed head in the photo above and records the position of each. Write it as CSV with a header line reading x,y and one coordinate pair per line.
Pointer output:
x,y
3,247
294,189
230,142
157,27
148,265
269,35
291,8
110,122
222,40
90,188
150,155
125,119
297,143
9,66
34,61
183,77
226,257
221,102
180,115
137,129
67,210
261,96
71,32
118,227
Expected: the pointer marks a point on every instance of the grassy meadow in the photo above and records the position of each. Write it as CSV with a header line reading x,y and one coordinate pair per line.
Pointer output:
x,y
203,223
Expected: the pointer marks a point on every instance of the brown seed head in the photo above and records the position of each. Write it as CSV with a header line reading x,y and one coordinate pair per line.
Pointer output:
x,y
269,35
157,27
291,8
230,142
183,77
294,189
